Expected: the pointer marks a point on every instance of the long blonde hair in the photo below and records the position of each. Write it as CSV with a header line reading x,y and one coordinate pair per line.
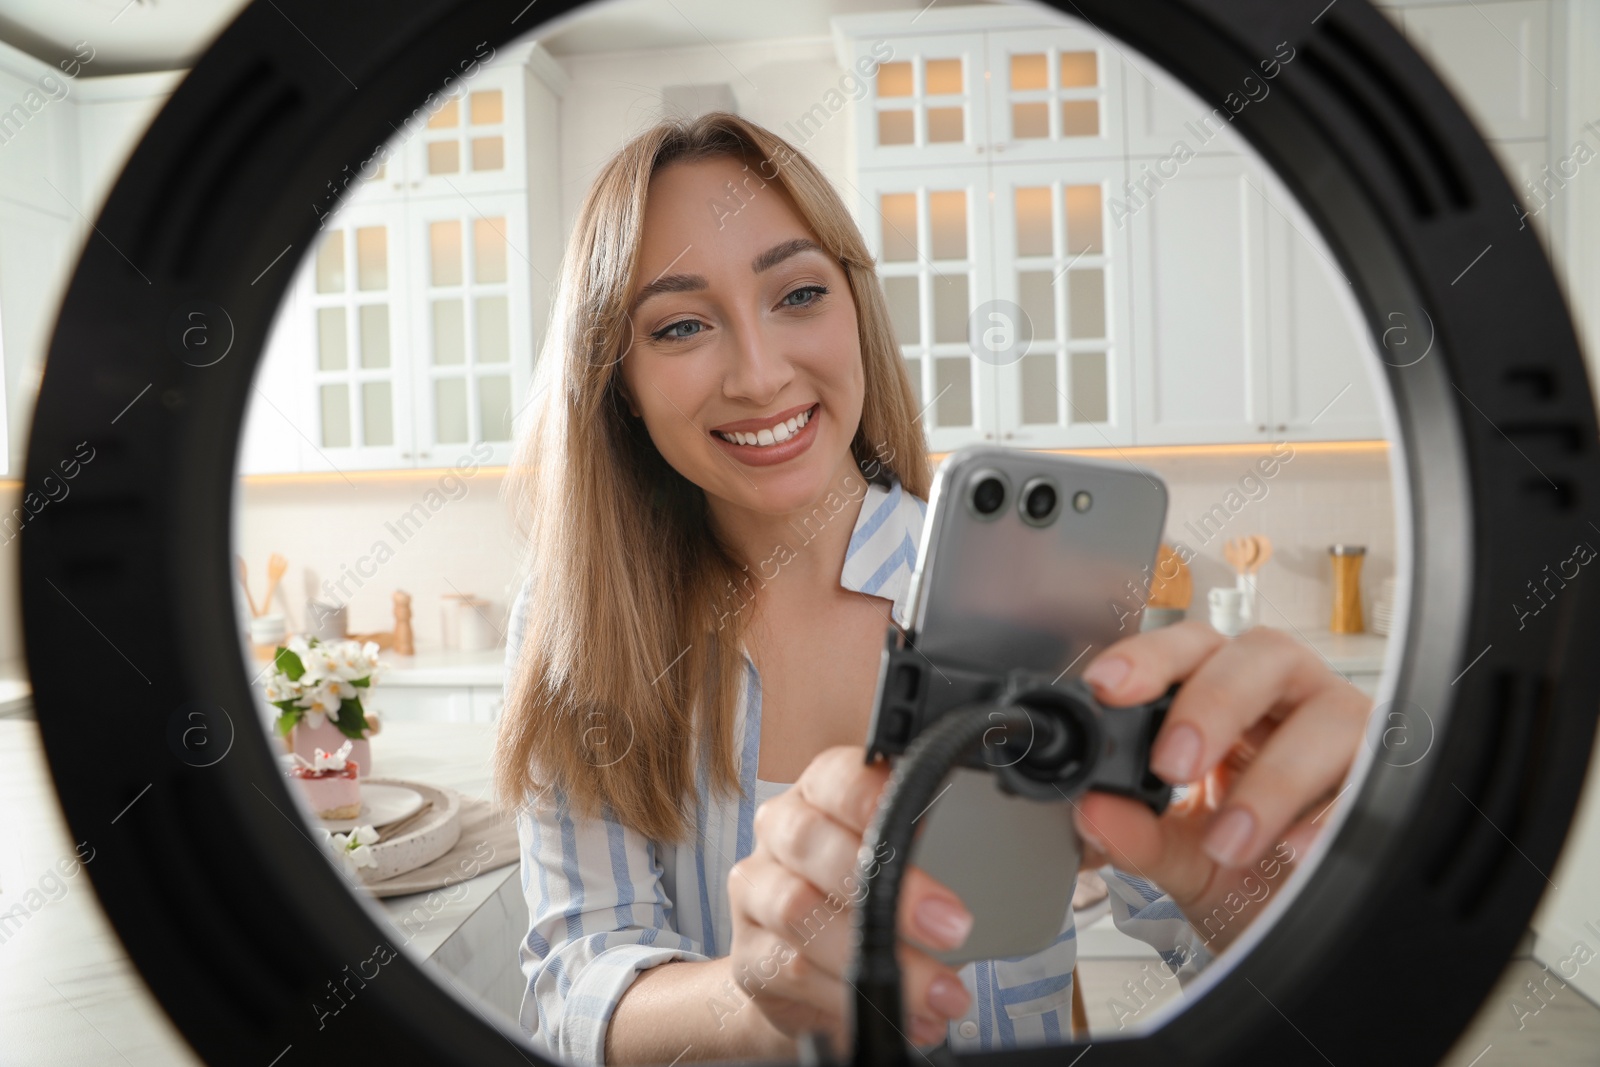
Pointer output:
x,y
626,629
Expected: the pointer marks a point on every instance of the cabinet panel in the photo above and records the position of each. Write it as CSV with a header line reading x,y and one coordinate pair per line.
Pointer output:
x,y
473,142
1324,360
1053,93
422,703
357,397
927,103
1494,56
931,232
1200,307
1161,114
469,306
1063,370
486,703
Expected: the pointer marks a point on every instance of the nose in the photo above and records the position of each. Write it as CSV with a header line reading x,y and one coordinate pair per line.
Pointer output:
x,y
758,370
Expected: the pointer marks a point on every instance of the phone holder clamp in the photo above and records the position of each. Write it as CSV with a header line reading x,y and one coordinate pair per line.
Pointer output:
x,y
1073,744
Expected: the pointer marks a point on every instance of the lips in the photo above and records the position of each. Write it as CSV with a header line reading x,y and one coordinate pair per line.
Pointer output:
x,y
754,453
764,421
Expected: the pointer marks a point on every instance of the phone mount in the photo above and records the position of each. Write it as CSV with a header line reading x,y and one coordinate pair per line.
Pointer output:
x,y
1074,742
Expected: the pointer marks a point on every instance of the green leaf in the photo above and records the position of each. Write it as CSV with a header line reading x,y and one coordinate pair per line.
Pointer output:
x,y
289,664
352,721
288,720
363,682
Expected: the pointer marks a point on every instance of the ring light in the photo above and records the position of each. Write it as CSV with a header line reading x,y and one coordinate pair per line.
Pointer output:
x,y
1437,861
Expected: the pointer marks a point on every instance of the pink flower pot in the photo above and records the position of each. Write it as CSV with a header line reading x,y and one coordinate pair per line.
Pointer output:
x,y
305,740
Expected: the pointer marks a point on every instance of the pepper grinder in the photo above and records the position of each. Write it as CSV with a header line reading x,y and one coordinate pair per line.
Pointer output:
x,y
1346,588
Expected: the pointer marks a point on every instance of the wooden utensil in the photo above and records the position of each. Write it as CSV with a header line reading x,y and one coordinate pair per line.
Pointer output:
x,y
1170,586
276,566
244,580
1240,552
1263,551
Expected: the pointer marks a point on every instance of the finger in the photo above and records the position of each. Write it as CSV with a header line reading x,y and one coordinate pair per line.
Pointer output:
x,y
826,854
1162,851
1141,667
842,784
1262,672
1227,694
816,947
778,977
1308,755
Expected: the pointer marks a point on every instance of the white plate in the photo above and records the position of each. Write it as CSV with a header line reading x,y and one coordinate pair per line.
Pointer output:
x,y
380,805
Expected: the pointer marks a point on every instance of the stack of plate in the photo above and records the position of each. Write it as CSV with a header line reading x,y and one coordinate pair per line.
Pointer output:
x,y
416,823
1383,608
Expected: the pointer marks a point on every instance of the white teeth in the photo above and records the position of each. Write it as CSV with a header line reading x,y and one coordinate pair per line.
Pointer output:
x,y
778,432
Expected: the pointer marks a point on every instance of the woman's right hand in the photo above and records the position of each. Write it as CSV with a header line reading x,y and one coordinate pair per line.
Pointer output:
x,y
793,901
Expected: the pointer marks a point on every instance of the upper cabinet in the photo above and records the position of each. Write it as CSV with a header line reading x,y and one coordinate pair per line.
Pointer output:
x,y
1077,253
407,337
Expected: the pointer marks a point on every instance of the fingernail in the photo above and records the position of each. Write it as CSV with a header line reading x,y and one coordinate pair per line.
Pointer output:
x,y
1177,754
948,997
1230,837
942,922
1106,673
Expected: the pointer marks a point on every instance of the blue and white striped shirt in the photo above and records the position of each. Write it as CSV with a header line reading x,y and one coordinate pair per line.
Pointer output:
x,y
605,902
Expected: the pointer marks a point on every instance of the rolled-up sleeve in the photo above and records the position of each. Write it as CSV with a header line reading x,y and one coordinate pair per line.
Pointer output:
x,y
598,915
1140,909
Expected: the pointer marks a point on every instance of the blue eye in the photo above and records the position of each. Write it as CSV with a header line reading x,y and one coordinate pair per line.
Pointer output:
x,y
807,291
668,333
674,332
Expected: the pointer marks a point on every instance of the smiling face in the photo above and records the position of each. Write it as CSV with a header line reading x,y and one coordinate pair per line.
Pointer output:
x,y
746,360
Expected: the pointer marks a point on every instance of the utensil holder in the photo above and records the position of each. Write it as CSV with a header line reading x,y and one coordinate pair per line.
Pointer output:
x,y
1247,600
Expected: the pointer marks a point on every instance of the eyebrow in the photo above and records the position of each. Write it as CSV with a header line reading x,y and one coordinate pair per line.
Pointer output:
x,y
688,283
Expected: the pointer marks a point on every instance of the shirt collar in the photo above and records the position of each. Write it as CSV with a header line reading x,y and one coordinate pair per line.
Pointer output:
x,y
883,545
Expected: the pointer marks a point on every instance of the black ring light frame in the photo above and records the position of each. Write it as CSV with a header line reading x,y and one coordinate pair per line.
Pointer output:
x,y
1437,864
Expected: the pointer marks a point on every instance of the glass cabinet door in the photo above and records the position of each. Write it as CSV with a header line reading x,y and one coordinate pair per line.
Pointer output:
x,y
1061,284
931,238
927,103
469,319
1053,94
351,285
475,141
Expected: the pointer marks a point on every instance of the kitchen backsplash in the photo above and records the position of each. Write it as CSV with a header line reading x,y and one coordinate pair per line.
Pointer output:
x,y
434,537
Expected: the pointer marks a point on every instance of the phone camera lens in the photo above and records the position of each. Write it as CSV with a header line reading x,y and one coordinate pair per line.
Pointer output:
x,y
988,495
1039,502
1081,501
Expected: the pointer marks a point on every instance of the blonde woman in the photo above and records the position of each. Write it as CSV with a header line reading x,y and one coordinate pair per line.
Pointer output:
x,y
722,489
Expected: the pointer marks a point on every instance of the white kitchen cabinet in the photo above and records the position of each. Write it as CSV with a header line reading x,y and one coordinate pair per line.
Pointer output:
x,y
1324,363
931,233
1495,56
1059,259
1200,307
928,101
1196,313
437,703
407,337
469,322
423,703
1054,93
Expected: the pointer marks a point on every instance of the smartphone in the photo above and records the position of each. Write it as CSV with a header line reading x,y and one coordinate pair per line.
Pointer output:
x,y
1028,560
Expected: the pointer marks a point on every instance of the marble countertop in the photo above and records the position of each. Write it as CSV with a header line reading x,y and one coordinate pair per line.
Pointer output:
x,y
1362,653
69,994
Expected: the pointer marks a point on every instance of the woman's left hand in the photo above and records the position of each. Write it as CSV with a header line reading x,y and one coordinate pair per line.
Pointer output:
x,y
1265,733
